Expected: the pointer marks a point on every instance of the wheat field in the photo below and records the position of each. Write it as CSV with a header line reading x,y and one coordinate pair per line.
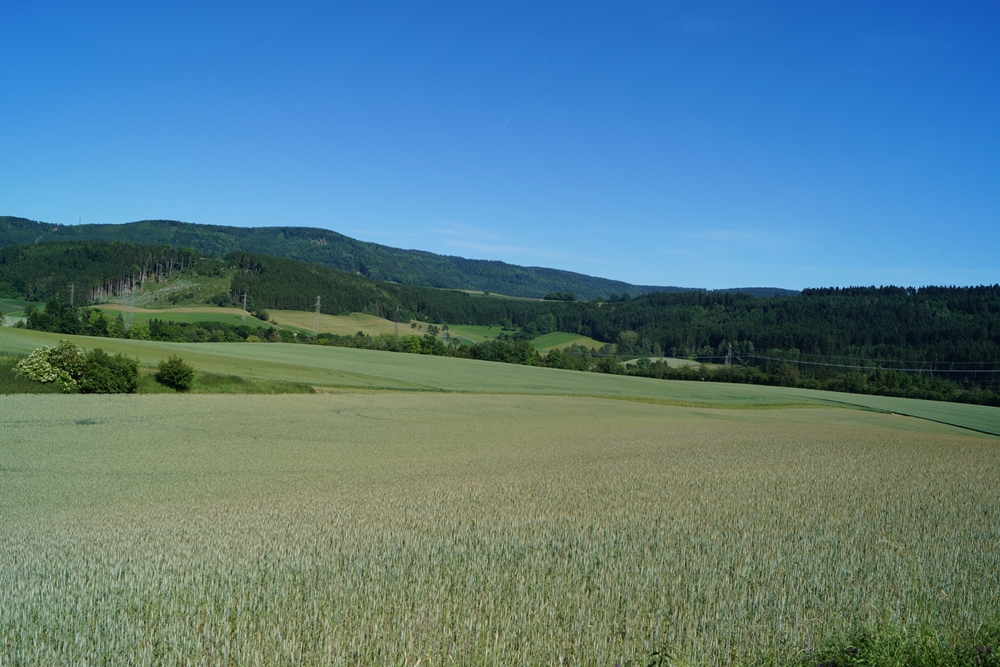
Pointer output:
x,y
459,529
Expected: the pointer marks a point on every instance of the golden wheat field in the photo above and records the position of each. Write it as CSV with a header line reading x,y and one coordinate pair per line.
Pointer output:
x,y
463,529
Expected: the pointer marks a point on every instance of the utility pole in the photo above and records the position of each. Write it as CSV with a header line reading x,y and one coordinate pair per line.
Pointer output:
x,y
244,306
729,355
72,289
316,318
131,309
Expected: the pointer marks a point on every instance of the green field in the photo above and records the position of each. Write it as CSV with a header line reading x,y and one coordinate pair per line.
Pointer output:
x,y
185,314
560,340
474,292
557,339
12,309
472,333
467,529
344,325
350,369
457,512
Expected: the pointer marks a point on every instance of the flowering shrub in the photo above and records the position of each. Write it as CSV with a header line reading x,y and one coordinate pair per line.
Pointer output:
x,y
62,364
72,369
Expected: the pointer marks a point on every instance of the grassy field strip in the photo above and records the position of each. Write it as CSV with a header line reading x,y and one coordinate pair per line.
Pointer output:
x,y
12,305
558,340
345,325
461,529
185,314
365,369
474,333
980,418
206,357
290,319
166,311
477,293
13,310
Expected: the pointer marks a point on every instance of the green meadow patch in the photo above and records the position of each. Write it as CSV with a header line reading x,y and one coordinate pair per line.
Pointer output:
x,y
15,384
474,333
558,340
184,314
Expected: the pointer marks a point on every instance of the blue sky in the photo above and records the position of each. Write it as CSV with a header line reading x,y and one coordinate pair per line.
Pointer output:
x,y
668,143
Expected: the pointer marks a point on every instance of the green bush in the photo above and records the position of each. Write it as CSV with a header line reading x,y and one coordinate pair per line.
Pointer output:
x,y
71,369
62,365
106,374
175,372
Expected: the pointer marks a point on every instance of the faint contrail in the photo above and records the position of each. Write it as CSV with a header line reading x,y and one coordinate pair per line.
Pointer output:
x,y
542,65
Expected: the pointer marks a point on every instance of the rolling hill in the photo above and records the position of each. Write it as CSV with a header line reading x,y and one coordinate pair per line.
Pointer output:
x,y
336,251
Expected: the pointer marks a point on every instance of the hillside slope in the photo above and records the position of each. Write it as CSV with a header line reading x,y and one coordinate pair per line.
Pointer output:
x,y
336,251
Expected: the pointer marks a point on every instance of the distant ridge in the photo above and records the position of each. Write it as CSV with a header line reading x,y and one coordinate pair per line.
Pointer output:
x,y
336,251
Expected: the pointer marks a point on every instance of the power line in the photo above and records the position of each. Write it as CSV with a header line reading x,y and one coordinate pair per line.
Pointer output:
x,y
900,361
539,71
131,309
872,368
798,361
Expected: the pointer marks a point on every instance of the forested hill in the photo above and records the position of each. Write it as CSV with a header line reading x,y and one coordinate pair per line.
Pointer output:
x,y
822,326
336,251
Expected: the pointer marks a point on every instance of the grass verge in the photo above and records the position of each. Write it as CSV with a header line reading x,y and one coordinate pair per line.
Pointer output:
x,y
15,384
217,383
204,383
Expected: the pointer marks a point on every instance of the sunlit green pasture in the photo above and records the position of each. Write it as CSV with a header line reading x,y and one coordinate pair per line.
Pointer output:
x,y
478,293
184,314
474,333
13,310
344,325
350,369
557,339
470,529
560,340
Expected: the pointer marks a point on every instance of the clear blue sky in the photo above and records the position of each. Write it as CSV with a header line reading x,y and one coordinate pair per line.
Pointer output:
x,y
698,144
